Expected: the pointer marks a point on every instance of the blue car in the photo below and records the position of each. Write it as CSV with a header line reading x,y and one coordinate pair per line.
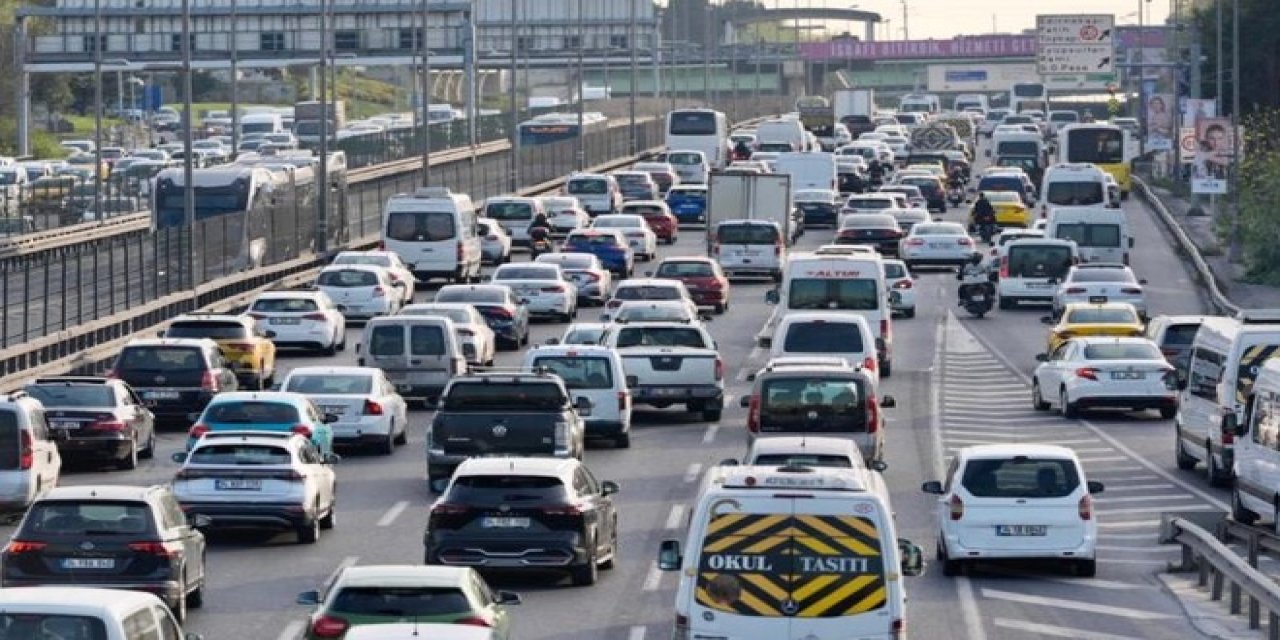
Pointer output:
x,y
609,245
272,411
688,202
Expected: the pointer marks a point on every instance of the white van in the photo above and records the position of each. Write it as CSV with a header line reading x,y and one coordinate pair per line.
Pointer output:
x,y
842,283
1101,233
746,248
1073,184
808,170
774,135
1030,269
30,464
14,184
598,193
1257,450
419,354
80,612
736,584
434,232
596,373
1226,356
514,214
832,333
262,123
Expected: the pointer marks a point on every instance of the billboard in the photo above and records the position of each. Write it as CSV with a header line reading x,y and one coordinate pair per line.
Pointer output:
x,y
978,78
1213,156
1159,115
968,47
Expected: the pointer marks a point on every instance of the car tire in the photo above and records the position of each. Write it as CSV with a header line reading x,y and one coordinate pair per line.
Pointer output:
x,y
613,549
129,462
330,520
586,574
886,368
1185,462
950,568
711,415
149,451
1086,568
1037,400
342,343
1167,413
402,438
309,532
622,440
387,446
1069,410
330,350
1217,477
524,340
1238,512
1006,303
909,313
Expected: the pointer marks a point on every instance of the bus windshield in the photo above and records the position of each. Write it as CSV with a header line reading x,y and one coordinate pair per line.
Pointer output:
x,y
692,123
1099,146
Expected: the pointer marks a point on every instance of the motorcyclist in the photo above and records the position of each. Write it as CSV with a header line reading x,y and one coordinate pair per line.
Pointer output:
x,y
540,229
876,170
974,273
983,213
956,179
742,150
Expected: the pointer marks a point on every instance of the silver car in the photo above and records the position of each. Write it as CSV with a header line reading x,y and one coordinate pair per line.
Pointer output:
x,y
584,270
936,243
1098,282
495,242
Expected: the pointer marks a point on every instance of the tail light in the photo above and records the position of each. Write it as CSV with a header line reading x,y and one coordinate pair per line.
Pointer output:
x,y
753,414
561,510
1134,291
719,368
1088,373
1075,290
197,431
500,314
1169,353
562,436
28,456
964,241
314,316
22,546
491,237
915,242
955,507
394,277
553,289
329,627
1125,260
459,252
209,382
886,330
474,621
873,414
448,509
302,430
382,245
905,283
1085,507
379,292
870,363
624,399
372,408
1004,266
107,423
614,304
154,548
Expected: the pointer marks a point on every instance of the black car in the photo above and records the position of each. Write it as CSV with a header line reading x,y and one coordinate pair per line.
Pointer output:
x,y
174,377
525,513
110,536
820,213
96,418
873,229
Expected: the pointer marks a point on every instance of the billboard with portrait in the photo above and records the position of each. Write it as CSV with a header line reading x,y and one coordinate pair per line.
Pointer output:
x,y
1214,144
1160,121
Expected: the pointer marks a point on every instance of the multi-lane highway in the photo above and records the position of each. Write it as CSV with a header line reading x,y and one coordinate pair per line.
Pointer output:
x,y
958,381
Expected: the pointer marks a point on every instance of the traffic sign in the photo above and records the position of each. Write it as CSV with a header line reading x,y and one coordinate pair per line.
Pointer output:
x,y
1075,44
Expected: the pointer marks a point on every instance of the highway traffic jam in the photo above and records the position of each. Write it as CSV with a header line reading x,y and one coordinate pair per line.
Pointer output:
x,y
761,386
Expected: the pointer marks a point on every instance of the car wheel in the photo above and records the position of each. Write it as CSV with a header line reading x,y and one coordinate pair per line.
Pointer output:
x,y
309,532
330,519
1006,303
342,342
588,572
1184,461
1167,413
622,440
909,312
1037,399
1086,568
1218,477
950,568
330,350
387,445
711,415
402,438
1069,410
613,548
150,450
179,608
524,340
1238,512
130,462
720,308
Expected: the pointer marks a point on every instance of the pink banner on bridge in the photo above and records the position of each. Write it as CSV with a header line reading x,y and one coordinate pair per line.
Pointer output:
x,y
972,47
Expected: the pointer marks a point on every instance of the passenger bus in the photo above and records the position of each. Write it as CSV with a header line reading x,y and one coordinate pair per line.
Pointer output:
x,y
1028,96
555,127
704,130
1100,143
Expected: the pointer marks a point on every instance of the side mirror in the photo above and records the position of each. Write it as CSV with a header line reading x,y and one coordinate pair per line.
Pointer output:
x,y
932,486
729,462
1046,320
330,418
879,465
705,317
1042,357
669,555
771,297
342,308
911,558
609,487
308,597
331,458
179,457
507,597
632,381
1096,487
888,402
583,405
201,521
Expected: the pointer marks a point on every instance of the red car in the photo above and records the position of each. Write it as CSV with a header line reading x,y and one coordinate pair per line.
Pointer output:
x,y
703,278
661,221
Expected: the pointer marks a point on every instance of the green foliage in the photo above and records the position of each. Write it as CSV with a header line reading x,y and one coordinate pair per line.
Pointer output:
x,y
1258,183
1259,53
43,143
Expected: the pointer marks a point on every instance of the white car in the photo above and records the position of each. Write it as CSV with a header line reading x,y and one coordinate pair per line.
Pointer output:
x,y
1105,372
543,287
902,287
582,333
936,243
369,410
649,289
1100,282
300,320
585,271
495,242
1000,241
361,291
260,479
389,260
898,144
868,136
1016,502
639,236
479,344
654,311
565,214
806,451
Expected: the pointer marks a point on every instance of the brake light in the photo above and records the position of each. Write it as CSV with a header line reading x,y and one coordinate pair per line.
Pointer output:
x,y
329,627
474,621
153,548
394,277
22,546
561,510
719,368
905,283
491,237
1088,373
197,430
448,509
1131,291
624,399
873,414
209,382
753,414
1004,266
1169,353
302,430
372,408
1075,290
870,363
915,242
955,507
107,424
314,316
1085,508
378,292
777,247
500,314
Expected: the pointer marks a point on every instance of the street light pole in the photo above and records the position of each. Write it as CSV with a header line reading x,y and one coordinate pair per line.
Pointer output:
x,y
631,84
235,80
97,109
426,96
327,110
582,80
1142,83
905,34
515,96
1236,246
188,164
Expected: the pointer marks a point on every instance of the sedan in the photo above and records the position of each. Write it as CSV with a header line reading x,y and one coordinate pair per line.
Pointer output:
x,y
389,260
502,310
477,339
97,418
657,215
1093,319
936,243
914,196
931,188
654,311
565,214
688,203
820,207
495,242
1098,372
609,245
702,276
1100,282
662,173
879,230
301,319
643,241
636,185
586,272
543,288
361,291
902,287
1011,211
582,333
369,410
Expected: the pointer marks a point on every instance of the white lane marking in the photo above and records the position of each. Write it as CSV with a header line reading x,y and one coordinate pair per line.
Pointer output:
x,y
393,513
1073,605
1129,478
1087,460
742,374
1138,487
653,579
1096,583
637,633
293,630
1165,549
1163,508
1055,631
693,472
1128,524
675,516
710,435
1146,498
1145,563
1148,536
348,561
1109,471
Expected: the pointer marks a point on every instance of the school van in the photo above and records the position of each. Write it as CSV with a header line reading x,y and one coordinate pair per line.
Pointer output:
x,y
836,283
596,373
1226,356
419,354
1101,233
1256,495
1030,269
791,552
1072,185
434,231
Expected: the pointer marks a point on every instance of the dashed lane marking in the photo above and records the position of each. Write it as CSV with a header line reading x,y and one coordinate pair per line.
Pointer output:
x,y
693,472
710,435
1073,605
636,633
675,516
393,513
1054,631
653,579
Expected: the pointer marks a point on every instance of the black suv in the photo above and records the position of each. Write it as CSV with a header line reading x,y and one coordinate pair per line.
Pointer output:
x,y
495,413
174,377
525,513
97,418
110,536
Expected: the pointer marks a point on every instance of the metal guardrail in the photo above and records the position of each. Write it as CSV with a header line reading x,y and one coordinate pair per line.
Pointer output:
x,y
1218,566
1188,248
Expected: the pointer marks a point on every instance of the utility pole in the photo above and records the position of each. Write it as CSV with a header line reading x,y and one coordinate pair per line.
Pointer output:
x,y
327,110
706,55
1236,247
188,164
905,34
514,97
582,81
426,96
97,109
1142,82
631,84
235,81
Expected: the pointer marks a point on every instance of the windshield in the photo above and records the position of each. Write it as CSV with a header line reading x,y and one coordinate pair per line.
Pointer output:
x,y
746,234
526,273
490,296
508,211
647,292
213,330
684,157
240,454
419,226
400,602
1020,477
1074,193
490,395
641,312
692,123
660,337
1101,275
1090,235
1122,351
1099,146
579,373
90,517
71,396
802,460
285,305
593,240
161,359
1102,316
330,384
869,203
1038,261
593,186
1017,148
823,293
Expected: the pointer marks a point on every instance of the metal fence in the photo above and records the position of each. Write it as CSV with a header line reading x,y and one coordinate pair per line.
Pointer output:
x,y
1219,568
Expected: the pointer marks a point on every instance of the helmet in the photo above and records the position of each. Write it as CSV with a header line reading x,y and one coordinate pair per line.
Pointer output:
x,y
975,258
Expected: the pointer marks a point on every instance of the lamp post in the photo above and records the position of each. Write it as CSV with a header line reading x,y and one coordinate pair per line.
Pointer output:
x,y
514,94
233,36
1236,246
631,84
426,96
188,165
905,34
97,109
327,110
582,80
1142,82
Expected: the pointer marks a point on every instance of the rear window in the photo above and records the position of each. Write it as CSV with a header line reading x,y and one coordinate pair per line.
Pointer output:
x,y
347,278
823,337
580,373
207,329
70,396
508,396
803,460
251,412
1102,275
509,210
1001,184
1039,261
49,626
491,296
240,454
400,602
894,270
1102,316
583,336
161,359
473,489
593,240
869,203
1089,235
88,517
1122,352
686,270
1074,193
746,234
1021,477
387,340
660,337
588,187
336,384
647,293
1181,334
285,305
684,157
840,396
527,273
371,260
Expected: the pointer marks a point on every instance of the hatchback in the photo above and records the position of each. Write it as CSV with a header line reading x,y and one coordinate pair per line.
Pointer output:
x,y
270,411
301,319
658,216
361,291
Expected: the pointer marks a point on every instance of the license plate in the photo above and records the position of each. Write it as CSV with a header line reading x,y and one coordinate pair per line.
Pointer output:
x,y
1038,285
1097,299
978,298
335,409
237,484
1128,375
1019,530
88,563
64,424
160,395
937,245
286,321
504,522
668,392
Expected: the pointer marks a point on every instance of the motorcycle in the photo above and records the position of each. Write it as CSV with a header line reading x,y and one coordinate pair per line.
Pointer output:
x,y
955,196
986,231
977,299
539,243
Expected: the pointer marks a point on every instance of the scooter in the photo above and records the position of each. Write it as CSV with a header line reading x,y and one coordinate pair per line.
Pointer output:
x,y
539,243
977,299
955,196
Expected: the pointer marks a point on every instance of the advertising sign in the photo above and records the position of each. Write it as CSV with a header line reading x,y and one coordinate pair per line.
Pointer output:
x,y
1212,156
1187,140
1075,43
1160,121
966,47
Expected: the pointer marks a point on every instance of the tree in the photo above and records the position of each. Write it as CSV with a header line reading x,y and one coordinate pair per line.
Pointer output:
x,y
1259,53
1258,185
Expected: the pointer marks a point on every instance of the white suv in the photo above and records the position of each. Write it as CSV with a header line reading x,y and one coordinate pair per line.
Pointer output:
x,y
301,319
258,479
29,460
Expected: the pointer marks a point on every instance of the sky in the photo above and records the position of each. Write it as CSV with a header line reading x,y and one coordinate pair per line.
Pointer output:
x,y
943,19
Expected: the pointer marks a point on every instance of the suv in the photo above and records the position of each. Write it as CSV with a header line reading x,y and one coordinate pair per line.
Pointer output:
x,y
174,377
525,513
494,412
111,536
96,417
29,461
75,612
246,348
254,479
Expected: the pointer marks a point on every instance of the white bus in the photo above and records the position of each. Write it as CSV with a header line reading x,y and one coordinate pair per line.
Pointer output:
x,y
1028,96
704,130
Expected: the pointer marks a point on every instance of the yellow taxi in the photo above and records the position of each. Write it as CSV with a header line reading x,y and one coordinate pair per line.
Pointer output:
x,y
1011,211
248,351
1093,319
